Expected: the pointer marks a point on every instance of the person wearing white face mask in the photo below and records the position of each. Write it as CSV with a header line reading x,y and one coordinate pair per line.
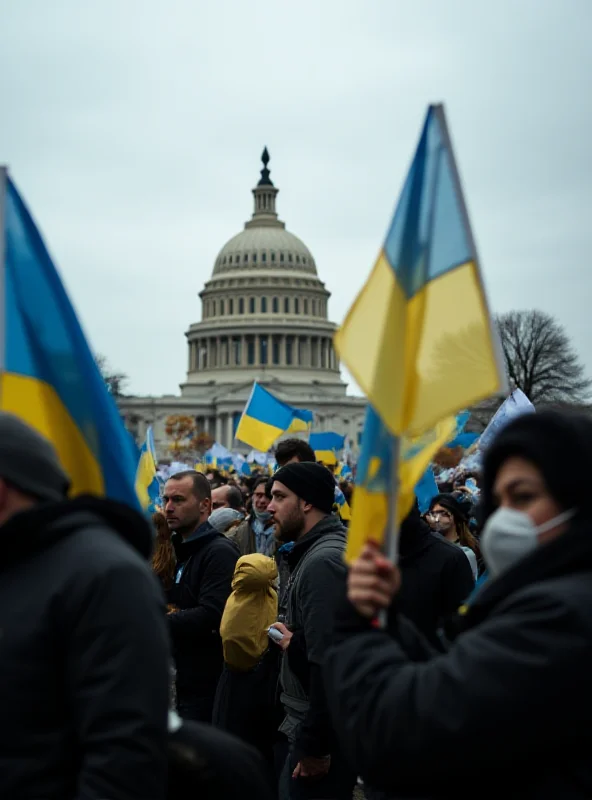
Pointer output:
x,y
510,699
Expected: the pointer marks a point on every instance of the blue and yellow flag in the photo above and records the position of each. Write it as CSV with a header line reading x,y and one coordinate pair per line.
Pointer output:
x,y
343,505
326,445
48,376
147,484
418,339
265,418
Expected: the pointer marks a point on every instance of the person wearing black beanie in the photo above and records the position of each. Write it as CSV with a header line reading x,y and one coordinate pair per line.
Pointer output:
x,y
512,693
302,501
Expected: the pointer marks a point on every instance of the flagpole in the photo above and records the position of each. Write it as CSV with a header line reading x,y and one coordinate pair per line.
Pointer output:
x,y
391,539
3,188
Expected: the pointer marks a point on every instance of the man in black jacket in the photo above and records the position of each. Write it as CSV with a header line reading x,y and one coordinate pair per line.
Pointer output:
x,y
302,501
85,655
205,565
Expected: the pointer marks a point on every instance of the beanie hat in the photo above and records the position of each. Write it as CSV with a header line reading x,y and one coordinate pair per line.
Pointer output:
x,y
29,461
311,482
559,444
221,518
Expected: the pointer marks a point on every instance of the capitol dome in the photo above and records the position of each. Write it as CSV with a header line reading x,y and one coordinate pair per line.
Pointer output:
x,y
265,242
254,247
264,310
264,318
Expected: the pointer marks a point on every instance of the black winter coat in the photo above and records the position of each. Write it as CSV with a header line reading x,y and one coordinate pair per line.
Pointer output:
x,y
436,577
84,664
210,764
504,713
205,566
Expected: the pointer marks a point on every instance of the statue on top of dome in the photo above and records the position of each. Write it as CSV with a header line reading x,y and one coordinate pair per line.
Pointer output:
x,y
265,180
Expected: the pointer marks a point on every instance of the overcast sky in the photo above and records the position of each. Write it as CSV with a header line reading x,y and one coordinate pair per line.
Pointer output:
x,y
133,129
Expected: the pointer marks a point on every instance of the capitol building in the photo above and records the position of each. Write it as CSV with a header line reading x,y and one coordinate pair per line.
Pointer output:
x,y
264,317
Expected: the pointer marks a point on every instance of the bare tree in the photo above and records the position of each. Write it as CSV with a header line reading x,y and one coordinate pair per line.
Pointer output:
x,y
115,381
540,358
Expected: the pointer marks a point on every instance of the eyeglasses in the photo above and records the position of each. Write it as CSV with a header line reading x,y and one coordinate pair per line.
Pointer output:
x,y
437,514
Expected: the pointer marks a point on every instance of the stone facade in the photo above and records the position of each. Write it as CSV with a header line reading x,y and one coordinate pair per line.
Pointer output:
x,y
265,318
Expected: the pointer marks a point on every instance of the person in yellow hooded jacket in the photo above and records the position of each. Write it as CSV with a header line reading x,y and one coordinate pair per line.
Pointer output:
x,y
245,702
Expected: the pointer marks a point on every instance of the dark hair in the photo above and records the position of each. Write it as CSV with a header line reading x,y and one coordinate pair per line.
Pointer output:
x,y
217,478
461,520
234,497
348,489
258,481
293,448
201,485
557,443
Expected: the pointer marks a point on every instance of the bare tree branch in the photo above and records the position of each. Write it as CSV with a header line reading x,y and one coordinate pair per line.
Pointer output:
x,y
115,381
540,358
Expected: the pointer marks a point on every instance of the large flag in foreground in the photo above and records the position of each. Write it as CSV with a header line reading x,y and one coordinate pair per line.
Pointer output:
x,y
48,376
266,417
419,339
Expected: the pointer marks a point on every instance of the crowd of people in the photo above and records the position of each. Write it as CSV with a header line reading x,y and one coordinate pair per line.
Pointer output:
x,y
227,650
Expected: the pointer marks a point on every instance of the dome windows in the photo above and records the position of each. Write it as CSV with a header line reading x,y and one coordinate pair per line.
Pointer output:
x,y
254,258
264,305
231,306
263,257
246,257
290,257
275,305
305,304
296,305
281,258
241,305
286,305
273,256
298,259
251,305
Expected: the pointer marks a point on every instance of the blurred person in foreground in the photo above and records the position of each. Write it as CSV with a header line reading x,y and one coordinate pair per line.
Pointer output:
x,y
85,659
507,708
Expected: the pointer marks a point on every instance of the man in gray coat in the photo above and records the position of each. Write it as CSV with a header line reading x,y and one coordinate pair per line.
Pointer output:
x,y
302,501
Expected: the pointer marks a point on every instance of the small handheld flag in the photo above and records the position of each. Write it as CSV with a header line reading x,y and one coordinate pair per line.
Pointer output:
x,y
147,484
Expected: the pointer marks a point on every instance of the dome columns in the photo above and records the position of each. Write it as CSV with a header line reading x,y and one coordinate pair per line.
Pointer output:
x,y
262,349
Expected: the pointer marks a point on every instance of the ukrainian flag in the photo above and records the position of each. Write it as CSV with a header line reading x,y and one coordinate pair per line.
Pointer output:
x,y
343,505
48,376
326,445
147,484
265,418
419,339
